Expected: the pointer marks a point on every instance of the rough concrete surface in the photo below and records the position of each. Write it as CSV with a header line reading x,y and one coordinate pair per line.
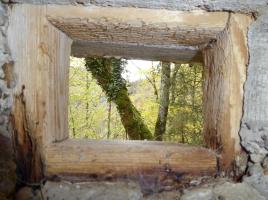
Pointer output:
x,y
92,190
5,66
234,5
7,166
217,190
254,131
226,191
254,127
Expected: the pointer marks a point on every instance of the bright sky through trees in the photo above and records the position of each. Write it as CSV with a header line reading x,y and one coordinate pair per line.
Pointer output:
x,y
134,69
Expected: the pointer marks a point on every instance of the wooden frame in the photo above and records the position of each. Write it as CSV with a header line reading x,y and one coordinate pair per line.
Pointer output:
x,y
41,52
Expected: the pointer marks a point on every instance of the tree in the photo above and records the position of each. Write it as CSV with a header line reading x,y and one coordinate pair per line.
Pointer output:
x,y
185,120
173,82
109,119
87,103
151,76
160,127
108,73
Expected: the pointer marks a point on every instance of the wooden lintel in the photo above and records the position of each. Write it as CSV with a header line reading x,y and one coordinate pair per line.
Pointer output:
x,y
170,53
137,25
127,158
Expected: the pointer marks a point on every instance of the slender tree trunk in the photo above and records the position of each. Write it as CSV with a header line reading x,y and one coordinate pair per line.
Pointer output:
x,y
107,74
173,83
182,137
109,119
193,97
87,103
72,120
153,83
160,126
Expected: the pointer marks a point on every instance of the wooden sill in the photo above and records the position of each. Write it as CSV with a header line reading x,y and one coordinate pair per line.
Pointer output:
x,y
127,158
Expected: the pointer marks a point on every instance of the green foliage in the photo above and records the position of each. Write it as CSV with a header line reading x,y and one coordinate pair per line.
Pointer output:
x,y
185,119
88,104
143,97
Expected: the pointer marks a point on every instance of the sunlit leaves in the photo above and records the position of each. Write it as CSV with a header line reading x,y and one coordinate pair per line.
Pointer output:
x,y
88,104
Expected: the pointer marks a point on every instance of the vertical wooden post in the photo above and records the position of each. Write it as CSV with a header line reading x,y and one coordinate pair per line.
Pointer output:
x,y
41,60
225,63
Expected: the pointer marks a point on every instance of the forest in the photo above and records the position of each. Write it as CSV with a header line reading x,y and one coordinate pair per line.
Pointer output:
x,y
160,101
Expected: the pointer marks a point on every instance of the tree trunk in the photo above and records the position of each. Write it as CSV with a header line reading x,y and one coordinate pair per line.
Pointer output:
x,y
73,123
107,72
173,83
109,119
87,103
160,126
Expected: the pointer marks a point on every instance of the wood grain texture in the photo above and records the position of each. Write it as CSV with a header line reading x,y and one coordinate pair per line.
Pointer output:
x,y
171,53
41,54
41,59
137,33
225,63
127,158
26,148
137,25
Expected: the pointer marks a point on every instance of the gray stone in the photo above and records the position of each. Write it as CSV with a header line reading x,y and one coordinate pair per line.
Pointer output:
x,y
239,191
198,194
173,195
92,190
195,182
2,16
257,158
224,191
255,168
259,182
254,126
2,120
7,165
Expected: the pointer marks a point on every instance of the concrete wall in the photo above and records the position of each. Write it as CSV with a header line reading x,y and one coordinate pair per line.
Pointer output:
x,y
7,166
231,5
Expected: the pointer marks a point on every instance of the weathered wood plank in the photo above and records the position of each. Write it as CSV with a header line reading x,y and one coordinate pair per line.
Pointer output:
x,y
137,25
127,158
225,64
41,59
171,53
